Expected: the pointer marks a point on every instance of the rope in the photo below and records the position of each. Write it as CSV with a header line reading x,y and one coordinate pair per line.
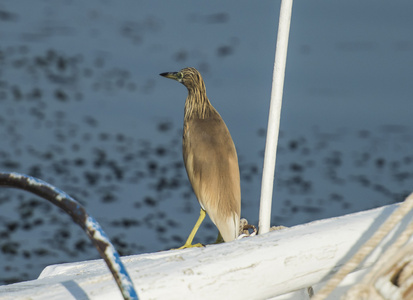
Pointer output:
x,y
368,247
390,252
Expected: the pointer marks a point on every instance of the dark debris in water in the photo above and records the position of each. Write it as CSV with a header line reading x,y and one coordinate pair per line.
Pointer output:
x,y
100,168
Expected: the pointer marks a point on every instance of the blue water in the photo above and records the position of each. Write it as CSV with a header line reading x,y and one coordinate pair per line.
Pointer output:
x,y
82,106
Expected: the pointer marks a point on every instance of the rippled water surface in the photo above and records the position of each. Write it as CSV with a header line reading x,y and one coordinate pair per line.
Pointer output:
x,y
82,107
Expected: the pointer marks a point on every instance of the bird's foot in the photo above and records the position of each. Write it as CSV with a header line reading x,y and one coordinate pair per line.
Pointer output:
x,y
189,246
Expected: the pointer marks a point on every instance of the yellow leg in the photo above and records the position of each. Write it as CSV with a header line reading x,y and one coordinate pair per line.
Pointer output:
x,y
188,243
219,239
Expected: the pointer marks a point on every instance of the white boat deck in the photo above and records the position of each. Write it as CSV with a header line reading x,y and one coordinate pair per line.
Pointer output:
x,y
268,266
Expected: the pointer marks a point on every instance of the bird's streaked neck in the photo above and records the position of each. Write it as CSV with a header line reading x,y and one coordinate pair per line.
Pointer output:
x,y
197,104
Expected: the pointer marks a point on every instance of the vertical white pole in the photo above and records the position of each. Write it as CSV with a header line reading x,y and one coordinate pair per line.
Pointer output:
x,y
274,116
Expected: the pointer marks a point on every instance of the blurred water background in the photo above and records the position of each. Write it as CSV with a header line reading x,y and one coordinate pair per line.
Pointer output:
x,y
82,107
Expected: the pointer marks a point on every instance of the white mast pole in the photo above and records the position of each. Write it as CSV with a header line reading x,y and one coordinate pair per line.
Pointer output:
x,y
274,116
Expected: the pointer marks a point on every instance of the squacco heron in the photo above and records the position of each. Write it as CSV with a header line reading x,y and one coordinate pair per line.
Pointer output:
x,y
210,159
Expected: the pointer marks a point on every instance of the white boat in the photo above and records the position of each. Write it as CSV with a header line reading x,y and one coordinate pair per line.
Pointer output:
x,y
278,265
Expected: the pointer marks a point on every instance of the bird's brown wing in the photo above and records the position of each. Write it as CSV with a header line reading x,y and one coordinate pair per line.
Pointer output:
x,y
212,166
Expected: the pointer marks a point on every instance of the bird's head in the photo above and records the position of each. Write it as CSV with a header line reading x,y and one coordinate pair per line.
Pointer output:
x,y
189,77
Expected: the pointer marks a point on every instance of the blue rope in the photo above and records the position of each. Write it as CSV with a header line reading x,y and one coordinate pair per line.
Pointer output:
x,y
82,218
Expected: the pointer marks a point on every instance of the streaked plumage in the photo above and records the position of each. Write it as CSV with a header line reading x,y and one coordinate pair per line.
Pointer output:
x,y
210,156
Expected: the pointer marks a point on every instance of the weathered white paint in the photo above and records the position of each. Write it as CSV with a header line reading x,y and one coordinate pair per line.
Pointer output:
x,y
260,267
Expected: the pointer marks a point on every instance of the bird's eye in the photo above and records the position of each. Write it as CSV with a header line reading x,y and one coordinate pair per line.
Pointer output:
x,y
179,75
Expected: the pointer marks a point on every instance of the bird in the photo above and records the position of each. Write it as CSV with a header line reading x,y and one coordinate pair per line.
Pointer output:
x,y
210,159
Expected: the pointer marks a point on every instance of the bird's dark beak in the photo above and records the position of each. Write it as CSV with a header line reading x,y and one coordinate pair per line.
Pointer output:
x,y
171,75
